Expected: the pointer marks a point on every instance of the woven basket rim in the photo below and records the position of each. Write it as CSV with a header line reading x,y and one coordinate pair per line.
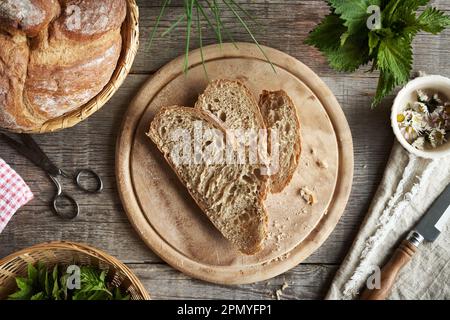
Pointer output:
x,y
85,249
130,45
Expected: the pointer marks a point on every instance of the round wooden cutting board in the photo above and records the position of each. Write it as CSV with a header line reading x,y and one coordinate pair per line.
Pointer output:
x,y
170,222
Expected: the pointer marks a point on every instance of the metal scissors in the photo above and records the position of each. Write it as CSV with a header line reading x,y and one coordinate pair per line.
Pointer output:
x,y
63,204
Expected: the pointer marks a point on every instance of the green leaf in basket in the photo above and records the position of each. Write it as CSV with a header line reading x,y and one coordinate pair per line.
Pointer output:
x,y
38,296
25,290
42,277
56,292
93,286
42,284
64,290
33,275
48,284
119,296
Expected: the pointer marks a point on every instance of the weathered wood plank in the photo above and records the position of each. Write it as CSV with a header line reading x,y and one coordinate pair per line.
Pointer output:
x,y
284,25
304,282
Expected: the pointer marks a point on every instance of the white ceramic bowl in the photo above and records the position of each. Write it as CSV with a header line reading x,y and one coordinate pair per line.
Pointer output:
x,y
408,94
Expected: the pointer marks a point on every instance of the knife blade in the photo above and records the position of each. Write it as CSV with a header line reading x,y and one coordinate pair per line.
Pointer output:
x,y
434,221
428,229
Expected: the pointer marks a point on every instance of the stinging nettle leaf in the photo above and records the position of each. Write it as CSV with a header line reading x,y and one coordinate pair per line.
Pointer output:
x,y
38,296
33,274
350,56
48,284
327,38
433,21
25,290
44,285
55,290
327,35
354,13
395,55
374,40
386,83
394,61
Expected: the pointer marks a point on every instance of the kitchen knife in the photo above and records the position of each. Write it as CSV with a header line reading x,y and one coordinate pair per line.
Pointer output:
x,y
428,229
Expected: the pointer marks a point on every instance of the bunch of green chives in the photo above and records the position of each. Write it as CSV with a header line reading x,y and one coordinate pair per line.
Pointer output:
x,y
197,11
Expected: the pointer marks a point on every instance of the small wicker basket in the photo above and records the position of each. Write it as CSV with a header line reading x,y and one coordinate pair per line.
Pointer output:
x,y
67,253
130,44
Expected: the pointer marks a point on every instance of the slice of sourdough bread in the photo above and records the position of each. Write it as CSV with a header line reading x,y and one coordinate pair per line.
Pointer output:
x,y
232,104
280,114
230,195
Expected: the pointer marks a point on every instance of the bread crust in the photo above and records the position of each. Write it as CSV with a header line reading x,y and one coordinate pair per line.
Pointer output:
x,y
277,183
14,53
97,18
257,239
57,67
27,16
52,90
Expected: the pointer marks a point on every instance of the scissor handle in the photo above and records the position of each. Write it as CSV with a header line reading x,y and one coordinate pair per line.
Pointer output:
x,y
60,195
74,210
90,173
65,214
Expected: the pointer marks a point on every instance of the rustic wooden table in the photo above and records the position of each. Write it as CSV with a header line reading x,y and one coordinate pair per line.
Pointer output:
x,y
103,222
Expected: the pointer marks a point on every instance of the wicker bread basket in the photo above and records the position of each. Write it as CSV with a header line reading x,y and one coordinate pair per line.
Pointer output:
x,y
130,44
67,253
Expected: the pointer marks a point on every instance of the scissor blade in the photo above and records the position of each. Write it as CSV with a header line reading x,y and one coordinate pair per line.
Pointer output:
x,y
434,221
18,146
29,149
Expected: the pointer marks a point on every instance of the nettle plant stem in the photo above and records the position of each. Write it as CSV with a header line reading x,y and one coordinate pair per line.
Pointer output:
x,y
197,12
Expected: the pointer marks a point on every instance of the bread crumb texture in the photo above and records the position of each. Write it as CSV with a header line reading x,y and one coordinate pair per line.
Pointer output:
x,y
278,293
230,195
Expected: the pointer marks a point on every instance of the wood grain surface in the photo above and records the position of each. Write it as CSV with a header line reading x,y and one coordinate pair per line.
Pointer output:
x,y
103,222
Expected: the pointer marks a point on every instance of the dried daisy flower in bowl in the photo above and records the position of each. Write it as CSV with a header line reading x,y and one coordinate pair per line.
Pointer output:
x,y
421,117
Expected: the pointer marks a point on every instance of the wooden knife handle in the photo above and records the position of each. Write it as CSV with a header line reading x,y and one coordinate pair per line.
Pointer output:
x,y
389,272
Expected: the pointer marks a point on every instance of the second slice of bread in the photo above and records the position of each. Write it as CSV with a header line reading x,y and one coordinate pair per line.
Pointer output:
x,y
230,195
280,114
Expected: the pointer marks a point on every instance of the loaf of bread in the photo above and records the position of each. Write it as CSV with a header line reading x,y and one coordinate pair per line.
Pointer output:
x,y
55,56
280,114
230,195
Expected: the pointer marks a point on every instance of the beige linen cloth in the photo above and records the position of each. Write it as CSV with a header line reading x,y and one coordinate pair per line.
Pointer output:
x,y
409,187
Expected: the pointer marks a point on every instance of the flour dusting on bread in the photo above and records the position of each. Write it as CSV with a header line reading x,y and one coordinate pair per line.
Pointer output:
x,y
5,117
95,17
90,21
112,51
22,10
56,106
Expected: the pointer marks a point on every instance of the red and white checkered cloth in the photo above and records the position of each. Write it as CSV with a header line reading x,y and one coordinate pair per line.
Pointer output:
x,y
14,193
